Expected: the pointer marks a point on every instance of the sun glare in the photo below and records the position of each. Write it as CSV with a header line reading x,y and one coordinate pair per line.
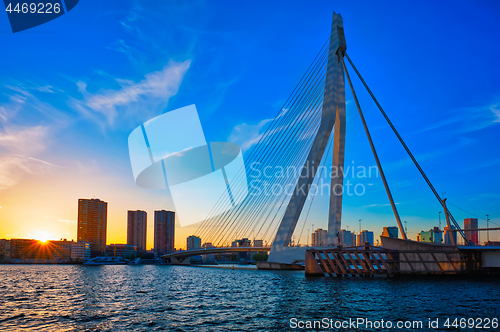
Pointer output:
x,y
42,236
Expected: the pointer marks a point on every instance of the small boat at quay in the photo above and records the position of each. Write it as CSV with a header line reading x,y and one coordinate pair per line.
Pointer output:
x,y
107,261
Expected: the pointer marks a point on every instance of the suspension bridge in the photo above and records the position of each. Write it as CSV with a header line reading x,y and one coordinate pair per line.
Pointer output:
x,y
287,163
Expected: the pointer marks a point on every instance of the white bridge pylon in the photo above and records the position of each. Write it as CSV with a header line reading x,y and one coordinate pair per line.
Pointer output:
x,y
333,114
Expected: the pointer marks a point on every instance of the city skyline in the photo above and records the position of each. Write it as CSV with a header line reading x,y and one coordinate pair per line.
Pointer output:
x,y
91,211
63,136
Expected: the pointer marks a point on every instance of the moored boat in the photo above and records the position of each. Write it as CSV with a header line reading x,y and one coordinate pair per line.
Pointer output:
x,y
107,261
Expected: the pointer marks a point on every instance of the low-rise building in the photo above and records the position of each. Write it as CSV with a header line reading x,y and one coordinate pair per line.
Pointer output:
x,y
35,251
193,242
60,250
121,250
244,242
28,250
258,243
80,251
4,249
434,235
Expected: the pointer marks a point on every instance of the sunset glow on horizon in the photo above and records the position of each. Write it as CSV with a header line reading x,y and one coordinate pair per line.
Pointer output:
x,y
42,236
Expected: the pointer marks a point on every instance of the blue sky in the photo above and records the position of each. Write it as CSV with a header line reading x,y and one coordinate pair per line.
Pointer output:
x,y
73,89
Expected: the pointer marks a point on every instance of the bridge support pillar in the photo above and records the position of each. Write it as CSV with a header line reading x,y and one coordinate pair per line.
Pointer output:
x,y
312,267
333,110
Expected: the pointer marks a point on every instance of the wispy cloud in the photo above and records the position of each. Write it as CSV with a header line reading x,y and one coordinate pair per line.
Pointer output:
x,y
14,167
17,147
23,140
144,96
41,161
11,108
10,169
24,88
467,119
436,152
378,205
23,103
495,109
68,221
247,135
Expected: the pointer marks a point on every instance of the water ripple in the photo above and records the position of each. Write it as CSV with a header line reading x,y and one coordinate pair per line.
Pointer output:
x,y
177,298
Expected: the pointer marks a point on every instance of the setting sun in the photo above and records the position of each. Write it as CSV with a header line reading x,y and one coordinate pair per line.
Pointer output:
x,y
42,236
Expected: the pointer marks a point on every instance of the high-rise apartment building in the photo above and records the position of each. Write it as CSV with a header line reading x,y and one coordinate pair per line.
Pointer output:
x,y
164,232
319,238
390,232
450,235
347,238
92,223
136,229
363,237
473,236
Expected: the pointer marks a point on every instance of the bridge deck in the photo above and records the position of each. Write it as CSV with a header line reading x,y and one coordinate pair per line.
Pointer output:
x,y
370,261
207,251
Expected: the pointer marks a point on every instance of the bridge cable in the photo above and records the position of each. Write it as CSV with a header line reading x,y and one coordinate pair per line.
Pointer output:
x,y
406,148
261,199
329,148
301,133
475,215
272,148
252,198
277,137
279,115
379,165
300,157
287,196
297,132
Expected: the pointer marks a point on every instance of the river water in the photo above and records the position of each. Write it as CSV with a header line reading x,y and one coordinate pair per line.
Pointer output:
x,y
178,298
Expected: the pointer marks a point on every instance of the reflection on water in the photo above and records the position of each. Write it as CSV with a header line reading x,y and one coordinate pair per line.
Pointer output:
x,y
177,298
